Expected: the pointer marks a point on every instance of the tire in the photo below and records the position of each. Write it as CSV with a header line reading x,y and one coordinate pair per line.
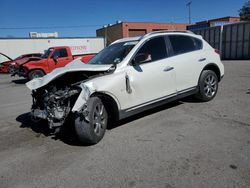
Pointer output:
x,y
208,86
93,131
35,74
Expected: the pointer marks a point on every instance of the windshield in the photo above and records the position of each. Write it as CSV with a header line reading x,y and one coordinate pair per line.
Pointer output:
x,y
113,54
47,53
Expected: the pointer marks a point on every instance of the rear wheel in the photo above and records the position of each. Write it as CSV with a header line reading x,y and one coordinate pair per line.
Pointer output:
x,y
208,86
35,74
92,132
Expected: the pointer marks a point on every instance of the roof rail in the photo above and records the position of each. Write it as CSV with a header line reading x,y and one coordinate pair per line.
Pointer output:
x,y
168,31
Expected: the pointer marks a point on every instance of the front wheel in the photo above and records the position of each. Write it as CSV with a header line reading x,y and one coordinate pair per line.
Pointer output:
x,y
92,132
208,86
35,74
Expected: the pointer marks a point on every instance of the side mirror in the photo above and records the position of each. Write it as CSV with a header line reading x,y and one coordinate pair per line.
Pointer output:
x,y
55,57
141,58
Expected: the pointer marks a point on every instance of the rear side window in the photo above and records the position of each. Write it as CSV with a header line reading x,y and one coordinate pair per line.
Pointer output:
x,y
183,44
198,43
155,47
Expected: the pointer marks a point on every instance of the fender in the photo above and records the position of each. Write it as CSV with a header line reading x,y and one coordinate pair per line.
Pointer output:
x,y
32,65
213,67
89,90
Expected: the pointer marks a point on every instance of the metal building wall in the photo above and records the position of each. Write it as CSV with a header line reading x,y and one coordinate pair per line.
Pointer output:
x,y
16,47
236,41
232,40
212,35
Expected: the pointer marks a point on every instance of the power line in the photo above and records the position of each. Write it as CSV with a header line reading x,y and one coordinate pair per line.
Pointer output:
x,y
50,27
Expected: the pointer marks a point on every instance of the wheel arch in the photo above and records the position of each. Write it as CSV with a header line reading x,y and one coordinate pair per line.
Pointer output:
x,y
110,104
35,70
28,73
213,67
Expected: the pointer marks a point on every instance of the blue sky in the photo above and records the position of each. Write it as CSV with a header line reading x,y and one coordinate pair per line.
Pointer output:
x,y
81,18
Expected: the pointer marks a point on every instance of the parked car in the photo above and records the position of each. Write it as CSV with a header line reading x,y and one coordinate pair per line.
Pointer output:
x,y
14,66
7,64
4,63
129,76
54,57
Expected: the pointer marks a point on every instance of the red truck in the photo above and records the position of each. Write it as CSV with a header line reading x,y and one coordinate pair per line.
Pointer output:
x,y
53,58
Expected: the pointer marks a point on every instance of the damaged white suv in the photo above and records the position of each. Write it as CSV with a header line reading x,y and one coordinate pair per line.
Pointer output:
x,y
127,77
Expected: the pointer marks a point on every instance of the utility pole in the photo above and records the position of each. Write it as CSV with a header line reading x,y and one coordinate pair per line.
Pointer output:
x,y
189,11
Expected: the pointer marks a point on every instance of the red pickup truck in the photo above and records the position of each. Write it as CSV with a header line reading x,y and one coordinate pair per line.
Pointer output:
x,y
53,58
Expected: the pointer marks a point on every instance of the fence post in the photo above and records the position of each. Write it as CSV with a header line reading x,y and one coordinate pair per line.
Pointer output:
x,y
221,38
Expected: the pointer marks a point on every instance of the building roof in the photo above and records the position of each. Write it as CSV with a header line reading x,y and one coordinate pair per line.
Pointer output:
x,y
140,23
219,19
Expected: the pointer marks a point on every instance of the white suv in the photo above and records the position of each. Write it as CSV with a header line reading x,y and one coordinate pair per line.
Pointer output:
x,y
127,77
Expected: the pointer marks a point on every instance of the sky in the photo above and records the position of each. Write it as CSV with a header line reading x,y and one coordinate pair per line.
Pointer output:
x,y
81,18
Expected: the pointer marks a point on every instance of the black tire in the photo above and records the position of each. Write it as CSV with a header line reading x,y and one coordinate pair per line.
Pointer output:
x,y
208,86
93,131
35,74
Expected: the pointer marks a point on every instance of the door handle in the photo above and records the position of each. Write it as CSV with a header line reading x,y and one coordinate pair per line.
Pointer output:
x,y
202,59
168,68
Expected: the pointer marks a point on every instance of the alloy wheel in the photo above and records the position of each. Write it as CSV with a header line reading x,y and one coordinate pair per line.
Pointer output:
x,y
99,119
210,85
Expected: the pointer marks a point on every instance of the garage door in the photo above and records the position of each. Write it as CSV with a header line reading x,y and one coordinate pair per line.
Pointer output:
x,y
136,32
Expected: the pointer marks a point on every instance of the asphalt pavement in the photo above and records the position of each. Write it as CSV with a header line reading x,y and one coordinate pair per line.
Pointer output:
x,y
182,144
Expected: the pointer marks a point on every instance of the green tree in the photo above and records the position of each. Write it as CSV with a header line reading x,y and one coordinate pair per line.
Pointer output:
x,y
245,11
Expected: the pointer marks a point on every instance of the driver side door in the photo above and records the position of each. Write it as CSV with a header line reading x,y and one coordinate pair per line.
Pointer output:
x,y
152,79
59,59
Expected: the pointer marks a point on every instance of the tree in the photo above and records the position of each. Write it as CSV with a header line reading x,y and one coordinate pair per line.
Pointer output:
x,y
245,11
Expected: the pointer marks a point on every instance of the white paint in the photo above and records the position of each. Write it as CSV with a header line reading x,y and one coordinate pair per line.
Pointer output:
x,y
74,66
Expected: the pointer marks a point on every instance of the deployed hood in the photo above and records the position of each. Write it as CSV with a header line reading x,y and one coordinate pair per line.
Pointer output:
x,y
75,66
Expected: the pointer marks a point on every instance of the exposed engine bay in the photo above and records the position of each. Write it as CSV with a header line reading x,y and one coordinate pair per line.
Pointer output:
x,y
54,101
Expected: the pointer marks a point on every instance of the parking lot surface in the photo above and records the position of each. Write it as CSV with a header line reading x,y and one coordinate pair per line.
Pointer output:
x,y
182,144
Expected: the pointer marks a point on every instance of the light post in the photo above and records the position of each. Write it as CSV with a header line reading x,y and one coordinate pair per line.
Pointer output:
x,y
189,11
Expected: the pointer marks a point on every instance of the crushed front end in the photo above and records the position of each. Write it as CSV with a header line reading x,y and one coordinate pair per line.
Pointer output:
x,y
53,104
56,100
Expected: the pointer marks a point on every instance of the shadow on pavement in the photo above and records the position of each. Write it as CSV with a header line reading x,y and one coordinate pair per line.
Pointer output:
x,y
67,133
20,81
144,114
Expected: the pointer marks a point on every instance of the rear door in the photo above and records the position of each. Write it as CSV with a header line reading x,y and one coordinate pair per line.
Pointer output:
x,y
188,60
152,80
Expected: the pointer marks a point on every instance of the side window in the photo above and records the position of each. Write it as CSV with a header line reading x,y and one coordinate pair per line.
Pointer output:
x,y
63,53
60,53
183,44
155,48
198,44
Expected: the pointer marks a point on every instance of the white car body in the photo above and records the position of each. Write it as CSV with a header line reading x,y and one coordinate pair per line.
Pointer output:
x,y
136,87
